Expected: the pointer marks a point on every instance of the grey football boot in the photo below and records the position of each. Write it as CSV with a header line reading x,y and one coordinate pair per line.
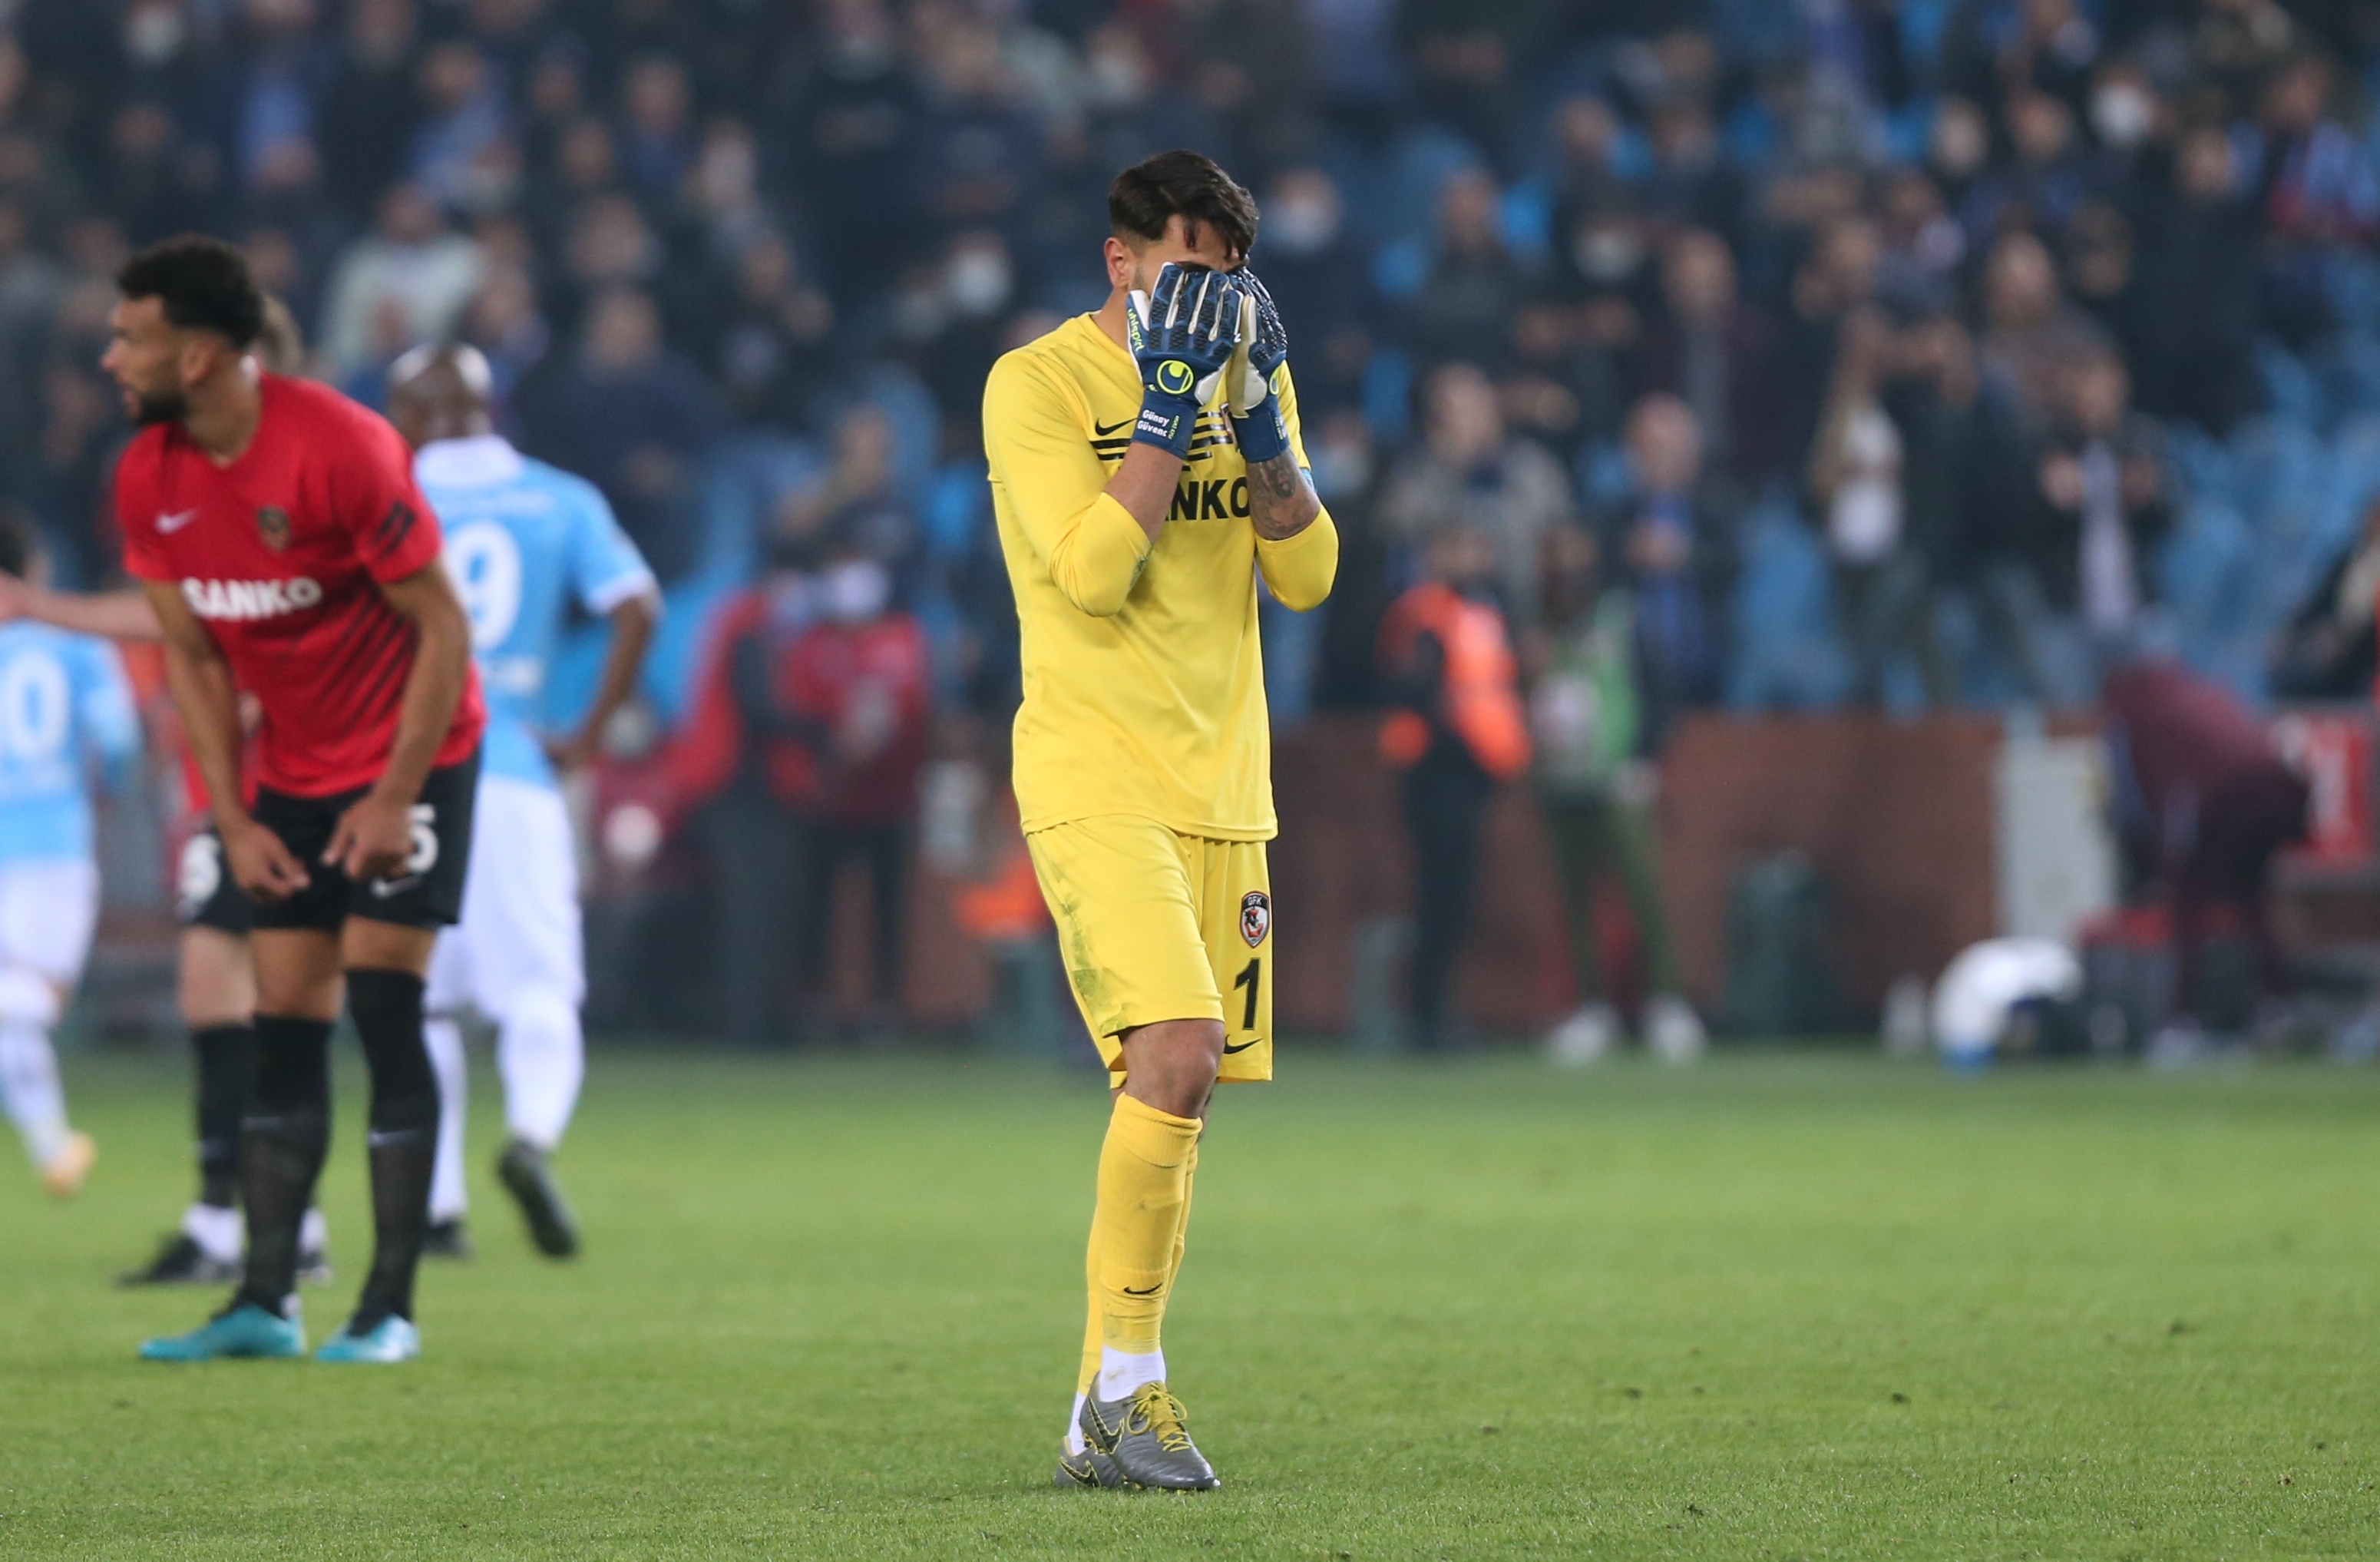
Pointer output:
x,y
1144,1435
1090,1469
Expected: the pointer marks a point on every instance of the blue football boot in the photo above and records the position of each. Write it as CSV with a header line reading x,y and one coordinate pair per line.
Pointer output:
x,y
244,1331
390,1340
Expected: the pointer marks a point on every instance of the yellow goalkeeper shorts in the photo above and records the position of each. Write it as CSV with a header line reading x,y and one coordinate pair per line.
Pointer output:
x,y
1156,926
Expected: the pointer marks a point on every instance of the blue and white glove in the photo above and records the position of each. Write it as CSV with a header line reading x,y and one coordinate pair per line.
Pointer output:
x,y
1251,379
1181,334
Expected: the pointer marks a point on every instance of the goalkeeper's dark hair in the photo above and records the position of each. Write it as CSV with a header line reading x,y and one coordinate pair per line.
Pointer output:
x,y
205,283
1147,196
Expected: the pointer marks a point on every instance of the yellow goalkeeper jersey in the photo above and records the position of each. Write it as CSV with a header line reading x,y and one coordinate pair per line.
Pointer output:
x,y
1143,683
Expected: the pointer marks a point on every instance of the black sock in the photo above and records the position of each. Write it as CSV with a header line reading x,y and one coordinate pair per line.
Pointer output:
x,y
388,1006
226,1059
282,1143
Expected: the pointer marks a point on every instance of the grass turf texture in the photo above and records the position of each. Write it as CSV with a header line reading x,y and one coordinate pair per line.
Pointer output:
x,y
1772,1306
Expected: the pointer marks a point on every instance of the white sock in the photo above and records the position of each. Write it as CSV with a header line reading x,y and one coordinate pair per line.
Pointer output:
x,y
313,1233
1120,1371
447,1198
541,1052
1074,1429
216,1230
30,1088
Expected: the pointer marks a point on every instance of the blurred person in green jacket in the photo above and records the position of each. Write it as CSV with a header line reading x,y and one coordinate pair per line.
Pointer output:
x,y
1596,785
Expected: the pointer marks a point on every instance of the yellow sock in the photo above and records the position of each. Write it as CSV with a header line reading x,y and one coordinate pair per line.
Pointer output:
x,y
1136,1228
1182,1232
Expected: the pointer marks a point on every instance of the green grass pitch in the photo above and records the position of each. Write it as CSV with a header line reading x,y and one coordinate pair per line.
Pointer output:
x,y
1774,1307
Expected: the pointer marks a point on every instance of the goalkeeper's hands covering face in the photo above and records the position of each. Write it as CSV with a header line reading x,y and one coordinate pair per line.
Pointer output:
x,y
1252,377
1182,332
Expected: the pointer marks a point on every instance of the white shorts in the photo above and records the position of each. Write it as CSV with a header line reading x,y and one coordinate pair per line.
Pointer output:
x,y
519,931
48,906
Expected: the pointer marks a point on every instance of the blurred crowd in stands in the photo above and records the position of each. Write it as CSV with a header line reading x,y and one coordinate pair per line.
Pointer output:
x,y
1910,353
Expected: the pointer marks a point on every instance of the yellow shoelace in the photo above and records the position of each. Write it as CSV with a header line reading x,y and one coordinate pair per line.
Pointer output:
x,y
1154,1409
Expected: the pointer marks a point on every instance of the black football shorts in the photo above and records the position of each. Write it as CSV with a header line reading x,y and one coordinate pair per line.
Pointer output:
x,y
427,892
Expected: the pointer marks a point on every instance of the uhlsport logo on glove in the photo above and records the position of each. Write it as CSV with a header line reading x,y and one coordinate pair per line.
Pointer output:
x,y
1174,378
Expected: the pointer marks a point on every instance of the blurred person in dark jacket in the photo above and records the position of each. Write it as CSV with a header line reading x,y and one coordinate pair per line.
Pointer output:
x,y
1459,731
2202,803
1669,538
1837,276
2192,317
2099,510
1713,351
750,757
1476,285
1321,280
635,418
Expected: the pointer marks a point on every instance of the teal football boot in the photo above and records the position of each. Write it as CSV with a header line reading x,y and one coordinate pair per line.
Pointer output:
x,y
244,1331
390,1340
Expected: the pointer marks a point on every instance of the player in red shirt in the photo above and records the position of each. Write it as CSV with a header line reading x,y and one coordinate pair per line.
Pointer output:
x,y
275,529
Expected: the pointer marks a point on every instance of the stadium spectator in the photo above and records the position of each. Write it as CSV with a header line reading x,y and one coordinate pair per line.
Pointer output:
x,y
632,416
2098,509
749,763
2191,326
1458,730
1596,787
410,265
1469,474
861,675
2032,333
1314,270
1858,481
366,112
1669,538
1712,350
1475,284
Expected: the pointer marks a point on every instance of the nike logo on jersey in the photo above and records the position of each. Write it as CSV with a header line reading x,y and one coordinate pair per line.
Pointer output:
x,y
1101,431
246,600
1229,1049
176,521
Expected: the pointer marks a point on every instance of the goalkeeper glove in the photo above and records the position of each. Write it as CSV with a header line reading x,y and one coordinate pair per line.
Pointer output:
x,y
1180,334
1250,378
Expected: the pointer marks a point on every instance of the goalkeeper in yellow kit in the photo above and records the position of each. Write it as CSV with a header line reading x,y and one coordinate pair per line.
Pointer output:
x,y
1145,468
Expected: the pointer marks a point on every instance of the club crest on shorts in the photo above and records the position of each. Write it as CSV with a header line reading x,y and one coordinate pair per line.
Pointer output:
x,y
1256,917
273,526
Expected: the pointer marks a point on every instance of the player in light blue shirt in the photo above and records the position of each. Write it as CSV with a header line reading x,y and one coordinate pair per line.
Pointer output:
x,y
527,544
65,712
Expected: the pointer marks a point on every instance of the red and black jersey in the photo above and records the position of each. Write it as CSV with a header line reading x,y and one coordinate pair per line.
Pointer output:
x,y
279,552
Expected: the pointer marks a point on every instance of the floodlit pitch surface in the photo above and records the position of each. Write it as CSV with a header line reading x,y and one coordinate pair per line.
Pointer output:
x,y
1774,1307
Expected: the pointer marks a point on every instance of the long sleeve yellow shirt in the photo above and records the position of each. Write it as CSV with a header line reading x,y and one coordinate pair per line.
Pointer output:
x,y
1143,680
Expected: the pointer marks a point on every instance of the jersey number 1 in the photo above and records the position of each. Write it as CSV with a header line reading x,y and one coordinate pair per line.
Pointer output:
x,y
1253,980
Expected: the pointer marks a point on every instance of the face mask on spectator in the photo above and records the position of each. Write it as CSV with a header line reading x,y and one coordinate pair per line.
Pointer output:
x,y
977,282
1118,79
1301,228
153,35
1607,255
2122,114
856,590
